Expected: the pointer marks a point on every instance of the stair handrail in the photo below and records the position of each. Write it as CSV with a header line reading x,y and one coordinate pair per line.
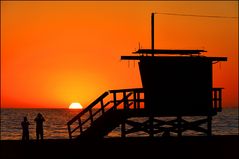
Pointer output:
x,y
116,102
95,102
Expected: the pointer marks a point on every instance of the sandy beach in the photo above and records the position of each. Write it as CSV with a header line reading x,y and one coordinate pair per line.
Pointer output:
x,y
184,147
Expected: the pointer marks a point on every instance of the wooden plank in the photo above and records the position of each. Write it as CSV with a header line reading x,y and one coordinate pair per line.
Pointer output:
x,y
126,90
172,57
166,51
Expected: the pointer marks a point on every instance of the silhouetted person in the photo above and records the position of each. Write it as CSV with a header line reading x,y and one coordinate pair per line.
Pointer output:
x,y
39,126
25,129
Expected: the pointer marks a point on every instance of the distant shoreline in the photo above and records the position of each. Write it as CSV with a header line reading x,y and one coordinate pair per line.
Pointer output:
x,y
231,107
225,146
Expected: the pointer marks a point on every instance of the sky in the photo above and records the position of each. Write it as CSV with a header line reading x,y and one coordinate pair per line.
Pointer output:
x,y
56,53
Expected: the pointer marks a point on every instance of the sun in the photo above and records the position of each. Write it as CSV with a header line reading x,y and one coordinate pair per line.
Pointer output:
x,y
75,106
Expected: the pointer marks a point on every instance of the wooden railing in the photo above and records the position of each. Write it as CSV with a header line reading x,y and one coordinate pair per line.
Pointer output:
x,y
217,99
113,99
127,99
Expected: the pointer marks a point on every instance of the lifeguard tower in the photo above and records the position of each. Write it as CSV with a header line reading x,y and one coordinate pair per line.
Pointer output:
x,y
176,84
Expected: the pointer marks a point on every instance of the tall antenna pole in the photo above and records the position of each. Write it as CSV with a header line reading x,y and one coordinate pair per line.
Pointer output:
x,y
152,32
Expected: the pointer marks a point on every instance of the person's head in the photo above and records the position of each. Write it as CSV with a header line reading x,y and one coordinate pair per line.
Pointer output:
x,y
25,118
39,115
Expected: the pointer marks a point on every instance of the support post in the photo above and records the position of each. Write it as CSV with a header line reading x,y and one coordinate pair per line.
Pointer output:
x,y
123,133
209,125
152,32
179,120
151,126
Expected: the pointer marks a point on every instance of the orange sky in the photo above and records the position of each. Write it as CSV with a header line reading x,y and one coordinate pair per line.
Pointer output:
x,y
55,53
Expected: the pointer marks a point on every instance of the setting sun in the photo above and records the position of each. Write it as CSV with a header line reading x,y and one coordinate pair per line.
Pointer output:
x,y
75,106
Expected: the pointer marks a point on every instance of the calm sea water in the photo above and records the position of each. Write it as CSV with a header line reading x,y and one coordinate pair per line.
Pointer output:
x,y
225,123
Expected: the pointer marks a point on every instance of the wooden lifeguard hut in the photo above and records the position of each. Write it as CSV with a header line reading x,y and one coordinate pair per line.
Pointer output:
x,y
176,84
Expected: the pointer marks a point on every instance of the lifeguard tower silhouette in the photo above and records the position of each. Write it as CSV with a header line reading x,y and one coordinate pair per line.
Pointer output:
x,y
176,84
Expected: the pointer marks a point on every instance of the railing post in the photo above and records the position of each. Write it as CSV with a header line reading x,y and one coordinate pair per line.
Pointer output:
x,y
138,98
81,130
125,100
135,104
91,117
102,106
69,130
215,99
220,100
114,98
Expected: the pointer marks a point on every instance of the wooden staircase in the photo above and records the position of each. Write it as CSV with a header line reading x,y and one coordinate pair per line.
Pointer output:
x,y
104,124
105,113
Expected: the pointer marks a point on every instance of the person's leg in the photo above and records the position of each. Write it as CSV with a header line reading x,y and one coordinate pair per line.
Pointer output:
x,y
42,134
37,134
27,135
23,136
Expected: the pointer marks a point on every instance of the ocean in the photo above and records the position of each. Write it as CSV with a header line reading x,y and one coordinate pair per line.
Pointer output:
x,y
225,123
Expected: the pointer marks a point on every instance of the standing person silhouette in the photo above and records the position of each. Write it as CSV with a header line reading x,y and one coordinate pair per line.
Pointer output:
x,y
25,129
39,126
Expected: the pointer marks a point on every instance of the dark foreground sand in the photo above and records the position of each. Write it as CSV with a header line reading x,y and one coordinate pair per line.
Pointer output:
x,y
215,147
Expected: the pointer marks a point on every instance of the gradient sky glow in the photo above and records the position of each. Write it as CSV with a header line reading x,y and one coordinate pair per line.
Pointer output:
x,y
56,53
